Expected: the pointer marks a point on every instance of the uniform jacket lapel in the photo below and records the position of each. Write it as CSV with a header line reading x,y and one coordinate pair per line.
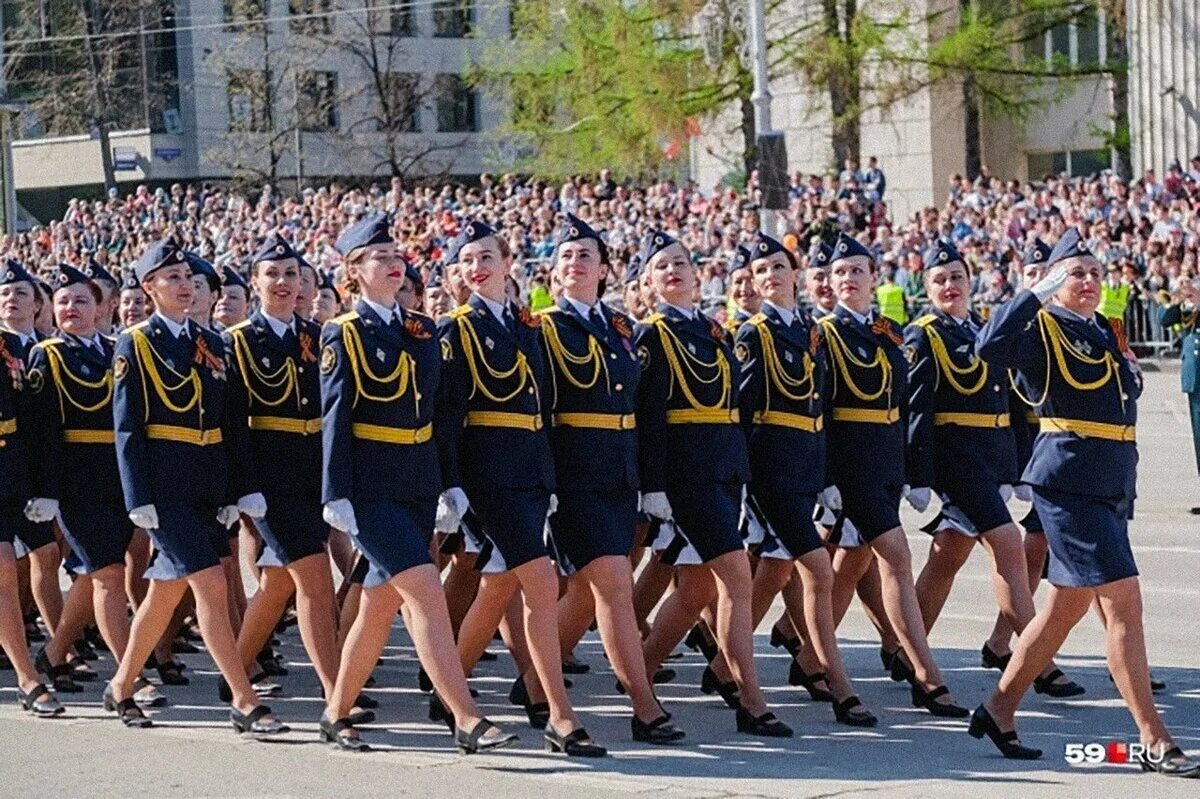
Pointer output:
x,y
487,320
375,324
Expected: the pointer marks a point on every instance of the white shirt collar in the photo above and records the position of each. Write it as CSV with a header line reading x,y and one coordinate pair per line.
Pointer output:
x,y
688,313
175,328
861,318
584,310
385,314
279,326
497,308
787,316
1088,320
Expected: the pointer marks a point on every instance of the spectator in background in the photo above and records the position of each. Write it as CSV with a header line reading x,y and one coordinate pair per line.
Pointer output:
x,y
874,182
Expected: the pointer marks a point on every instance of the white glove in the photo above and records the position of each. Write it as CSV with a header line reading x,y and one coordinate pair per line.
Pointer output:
x,y
1048,286
831,498
145,517
253,505
452,506
553,505
657,505
41,509
228,516
1006,492
340,515
1023,492
918,498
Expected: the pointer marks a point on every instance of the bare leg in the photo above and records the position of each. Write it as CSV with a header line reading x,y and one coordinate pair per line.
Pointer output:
x,y
651,584
12,626
43,582
735,633
462,583
948,552
539,590
481,621
1035,561
678,613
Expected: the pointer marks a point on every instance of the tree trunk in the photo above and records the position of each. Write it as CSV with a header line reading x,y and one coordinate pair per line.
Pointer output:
x,y
843,83
99,96
1118,85
971,130
106,159
749,132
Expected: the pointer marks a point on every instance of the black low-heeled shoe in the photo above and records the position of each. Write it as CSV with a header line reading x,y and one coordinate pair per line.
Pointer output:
x,y
798,677
576,743
253,723
1155,685
661,676
778,639
474,741
488,657
60,676
127,711
84,649
182,647
424,684
439,712
366,702
929,702
845,712
169,672
538,714
697,640
573,665
357,717
1057,690
766,725
39,701
333,732
899,670
660,731
711,684
146,695
1172,763
990,660
270,663
1008,743
80,670
517,695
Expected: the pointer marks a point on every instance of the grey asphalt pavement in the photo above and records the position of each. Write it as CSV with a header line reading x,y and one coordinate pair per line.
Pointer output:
x,y
193,751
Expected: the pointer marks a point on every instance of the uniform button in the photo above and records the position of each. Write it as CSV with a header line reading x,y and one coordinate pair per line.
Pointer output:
x,y
816,396
304,400
300,370
995,388
1124,397
619,387
612,355
531,389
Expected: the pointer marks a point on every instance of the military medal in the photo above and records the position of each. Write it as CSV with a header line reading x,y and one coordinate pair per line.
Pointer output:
x,y
787,356
489,343
379,354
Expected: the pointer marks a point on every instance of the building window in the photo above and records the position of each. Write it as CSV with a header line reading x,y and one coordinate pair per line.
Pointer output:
x,y
456,105
452,18
316,103
392,17
311,17
248,100
398,105
1080,42
1076,163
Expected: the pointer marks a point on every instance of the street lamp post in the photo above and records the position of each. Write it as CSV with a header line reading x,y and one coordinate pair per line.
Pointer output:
x,y
761,98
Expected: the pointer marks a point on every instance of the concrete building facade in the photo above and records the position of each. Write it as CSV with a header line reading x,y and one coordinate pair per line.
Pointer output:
x,y
1164,81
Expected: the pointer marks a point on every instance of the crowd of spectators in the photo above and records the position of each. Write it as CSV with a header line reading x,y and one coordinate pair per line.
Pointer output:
x,y
1145,231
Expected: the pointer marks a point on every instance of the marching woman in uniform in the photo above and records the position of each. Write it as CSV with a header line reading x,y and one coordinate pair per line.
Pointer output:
x,y
867,416
495,450
76,479
594,376
1084,386
693,465
168,402
781,402
960,444
273,404
380,370
746,300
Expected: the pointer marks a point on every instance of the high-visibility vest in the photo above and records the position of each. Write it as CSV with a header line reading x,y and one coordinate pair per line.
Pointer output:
x,y
891,302
1113,300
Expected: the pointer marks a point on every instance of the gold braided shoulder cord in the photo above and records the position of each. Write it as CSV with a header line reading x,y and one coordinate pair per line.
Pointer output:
x,y
148,362
284,376
1052,332
951,370
405,370
841,354
565,358
790,387
60,370
472,352
672,347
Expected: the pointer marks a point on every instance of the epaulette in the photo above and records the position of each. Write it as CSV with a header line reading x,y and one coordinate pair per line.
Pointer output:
x,y
48,342
653,318
757,319
138,326
418,314
926,320
238,326
548,309
349,316
460,311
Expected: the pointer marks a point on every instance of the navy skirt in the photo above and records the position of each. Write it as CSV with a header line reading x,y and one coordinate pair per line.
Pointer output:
x,y
592,524
393,536
512,524
872,507
708,515
31,536
98,535
1088,538
1032,523
292,530
788,521
185,541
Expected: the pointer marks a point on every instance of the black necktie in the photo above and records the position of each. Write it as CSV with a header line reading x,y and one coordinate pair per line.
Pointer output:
x,y
289,335
509,322
596,318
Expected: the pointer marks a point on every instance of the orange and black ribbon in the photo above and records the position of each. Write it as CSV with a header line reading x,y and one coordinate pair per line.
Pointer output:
x,y
528,319
306,349
883,327
621,326
205,357
416,329
814,340
718,332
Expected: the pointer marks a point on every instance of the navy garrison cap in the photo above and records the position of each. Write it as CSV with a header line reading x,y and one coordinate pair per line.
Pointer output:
x,y
575,229
822,255
653,243
95,271
275,248
205,269
471,232
740,259
164,252
130,282
847,246
371,229
231,277
66,275
437,277
14,273
1069,246
326,282
413,274
764,246
1037,253
941,252
633,270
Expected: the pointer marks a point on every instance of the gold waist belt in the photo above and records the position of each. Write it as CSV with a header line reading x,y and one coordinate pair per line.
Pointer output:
x,y
866,415
392,435
992,420
809,424
8,427
89,436
282,424
703,416
519,421
599,421
1109,432
184,435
